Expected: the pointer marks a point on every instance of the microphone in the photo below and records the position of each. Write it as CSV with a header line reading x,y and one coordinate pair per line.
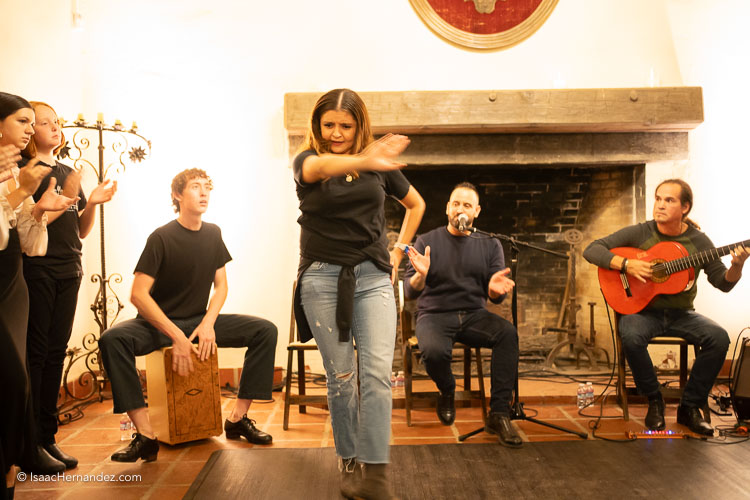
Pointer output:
x,y
463,222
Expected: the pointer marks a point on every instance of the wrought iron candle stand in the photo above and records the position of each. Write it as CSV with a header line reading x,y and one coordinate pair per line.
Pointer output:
x,y
122,144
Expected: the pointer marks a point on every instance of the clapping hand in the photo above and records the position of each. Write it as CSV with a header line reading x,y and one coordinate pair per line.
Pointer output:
x,y
30,176
103,192
72,184
52,202
9,158
500,283
420,263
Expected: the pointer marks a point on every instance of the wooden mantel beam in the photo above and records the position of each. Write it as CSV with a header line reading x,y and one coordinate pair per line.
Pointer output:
x,y
657,109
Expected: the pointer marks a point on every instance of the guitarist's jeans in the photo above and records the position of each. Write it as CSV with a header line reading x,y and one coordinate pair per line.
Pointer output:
x,y
637,329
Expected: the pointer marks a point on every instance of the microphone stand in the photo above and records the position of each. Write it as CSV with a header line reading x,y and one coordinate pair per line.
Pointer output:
x,y
517,412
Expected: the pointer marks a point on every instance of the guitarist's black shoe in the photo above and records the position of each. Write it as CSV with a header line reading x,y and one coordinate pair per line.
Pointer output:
x,y
655,415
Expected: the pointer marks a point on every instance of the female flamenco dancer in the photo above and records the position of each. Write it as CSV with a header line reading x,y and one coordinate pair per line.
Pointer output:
x,y
346,276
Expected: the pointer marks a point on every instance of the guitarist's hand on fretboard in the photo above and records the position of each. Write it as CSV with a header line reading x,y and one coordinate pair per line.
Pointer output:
x,y
739,256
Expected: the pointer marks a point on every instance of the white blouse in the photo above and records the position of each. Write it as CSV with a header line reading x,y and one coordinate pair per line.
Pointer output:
x,y
33,234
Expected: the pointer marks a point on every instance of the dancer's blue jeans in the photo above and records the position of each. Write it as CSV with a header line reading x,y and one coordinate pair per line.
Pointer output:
x,y
361,424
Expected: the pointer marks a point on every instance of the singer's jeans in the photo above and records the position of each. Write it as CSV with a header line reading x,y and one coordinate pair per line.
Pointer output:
x,y
436,333
361,425
637,329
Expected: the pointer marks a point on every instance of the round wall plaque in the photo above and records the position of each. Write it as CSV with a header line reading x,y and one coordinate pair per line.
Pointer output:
x,y
484,24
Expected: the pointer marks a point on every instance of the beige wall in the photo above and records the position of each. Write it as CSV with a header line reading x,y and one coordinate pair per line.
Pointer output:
x,y
205,81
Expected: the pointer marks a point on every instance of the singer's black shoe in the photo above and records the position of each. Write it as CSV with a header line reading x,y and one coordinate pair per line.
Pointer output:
x,y
655,414
446,408
139,447
56,452
42,462
245,427
691,417
499,424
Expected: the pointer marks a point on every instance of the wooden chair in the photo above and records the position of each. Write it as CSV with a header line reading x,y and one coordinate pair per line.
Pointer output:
x,y
410,353
624,392
301,398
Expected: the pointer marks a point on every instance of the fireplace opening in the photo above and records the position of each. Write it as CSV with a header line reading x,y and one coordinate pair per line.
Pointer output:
x,y
538,204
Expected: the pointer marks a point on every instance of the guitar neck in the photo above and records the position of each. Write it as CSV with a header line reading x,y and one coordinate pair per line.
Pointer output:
x,y
702,257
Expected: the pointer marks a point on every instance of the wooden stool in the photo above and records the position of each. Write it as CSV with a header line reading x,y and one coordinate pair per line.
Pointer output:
x,y
183,408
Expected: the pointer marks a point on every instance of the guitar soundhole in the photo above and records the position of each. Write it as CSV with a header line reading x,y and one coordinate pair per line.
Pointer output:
x,y
658,271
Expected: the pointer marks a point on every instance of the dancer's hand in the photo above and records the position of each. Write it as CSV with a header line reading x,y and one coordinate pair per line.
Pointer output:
x,y
381,155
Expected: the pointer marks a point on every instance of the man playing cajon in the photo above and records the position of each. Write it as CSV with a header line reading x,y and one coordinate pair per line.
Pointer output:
x,y
172,284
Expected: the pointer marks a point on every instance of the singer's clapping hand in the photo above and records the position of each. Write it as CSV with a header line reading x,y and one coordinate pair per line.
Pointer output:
x,y
500,284
420,263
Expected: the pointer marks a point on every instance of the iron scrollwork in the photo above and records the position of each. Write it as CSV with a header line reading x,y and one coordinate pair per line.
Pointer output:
x,y
125,147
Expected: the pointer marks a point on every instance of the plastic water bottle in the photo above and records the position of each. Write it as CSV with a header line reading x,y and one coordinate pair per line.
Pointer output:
x,y
590,394
399,392
126,427
581,396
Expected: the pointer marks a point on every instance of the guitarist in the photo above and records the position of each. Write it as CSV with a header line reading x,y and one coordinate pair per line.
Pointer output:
x,y
671,315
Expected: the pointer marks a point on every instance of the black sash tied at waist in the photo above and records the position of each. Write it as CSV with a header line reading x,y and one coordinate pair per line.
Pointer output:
x,y
317,248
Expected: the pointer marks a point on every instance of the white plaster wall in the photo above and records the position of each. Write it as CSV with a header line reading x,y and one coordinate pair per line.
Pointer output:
x,y
205,82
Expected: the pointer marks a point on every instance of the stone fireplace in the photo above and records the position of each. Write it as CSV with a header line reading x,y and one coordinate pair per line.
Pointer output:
x,y
544,161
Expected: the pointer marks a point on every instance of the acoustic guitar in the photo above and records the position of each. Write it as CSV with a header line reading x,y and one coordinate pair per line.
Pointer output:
x,y
672,268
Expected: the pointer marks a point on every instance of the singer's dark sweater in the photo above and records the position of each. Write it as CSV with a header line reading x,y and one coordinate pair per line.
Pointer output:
x,y
460,271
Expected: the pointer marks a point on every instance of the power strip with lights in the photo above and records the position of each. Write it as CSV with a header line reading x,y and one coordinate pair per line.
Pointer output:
x,y
655,435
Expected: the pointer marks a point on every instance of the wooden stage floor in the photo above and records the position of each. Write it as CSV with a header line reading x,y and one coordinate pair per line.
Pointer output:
x,y
592,469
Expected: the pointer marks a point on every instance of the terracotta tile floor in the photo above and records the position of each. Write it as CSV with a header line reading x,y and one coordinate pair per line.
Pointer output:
x,y
96,436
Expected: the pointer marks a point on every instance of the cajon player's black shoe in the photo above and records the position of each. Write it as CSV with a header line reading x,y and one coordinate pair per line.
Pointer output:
x,y
245,427
139,447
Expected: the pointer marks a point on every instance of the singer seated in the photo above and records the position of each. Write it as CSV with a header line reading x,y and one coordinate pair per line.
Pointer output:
x,y
173,279
452,272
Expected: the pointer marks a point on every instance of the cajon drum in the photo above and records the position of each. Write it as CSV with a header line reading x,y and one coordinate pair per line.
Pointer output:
x,y
183,408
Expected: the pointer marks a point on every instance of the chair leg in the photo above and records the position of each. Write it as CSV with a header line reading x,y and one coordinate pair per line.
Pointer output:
x,y
467,369
480,381
684,364
622,395
301,378
288,388
406,355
